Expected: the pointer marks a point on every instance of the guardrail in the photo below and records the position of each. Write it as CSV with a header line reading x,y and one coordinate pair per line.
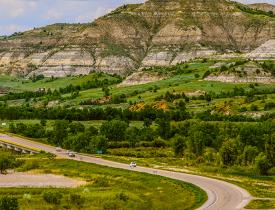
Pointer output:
x,y
16,147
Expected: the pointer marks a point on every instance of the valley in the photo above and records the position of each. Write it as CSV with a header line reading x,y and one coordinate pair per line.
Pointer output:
x,y
184,89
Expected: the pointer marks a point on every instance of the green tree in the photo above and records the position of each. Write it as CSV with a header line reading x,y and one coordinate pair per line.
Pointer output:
x,y
270,148
164,128
59,133
7,161
262,164
114,130
92,131
228,152
179,144
249,154
98,143
76,127
132,135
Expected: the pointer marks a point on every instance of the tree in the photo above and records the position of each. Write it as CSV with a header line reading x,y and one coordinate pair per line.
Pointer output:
x,y
179,144
92,131
270,148
164,128
249,154
7,161
43,122
59,133
132,135
262,164
98,143
76,127
9,203
228,152
79,143
114,130
159,143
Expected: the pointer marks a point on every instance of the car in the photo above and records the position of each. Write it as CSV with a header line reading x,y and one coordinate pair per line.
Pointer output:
x,y
71,154
133,164
58,149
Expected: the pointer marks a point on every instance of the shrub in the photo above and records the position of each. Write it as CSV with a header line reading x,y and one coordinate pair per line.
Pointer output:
x,y
7,161
52,197
77,200
9,203
262,164
159,143
122,196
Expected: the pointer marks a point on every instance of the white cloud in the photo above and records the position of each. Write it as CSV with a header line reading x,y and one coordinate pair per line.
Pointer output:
x,y
52,14
16,8
11,28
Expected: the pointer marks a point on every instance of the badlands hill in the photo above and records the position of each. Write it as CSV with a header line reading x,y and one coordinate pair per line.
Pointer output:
x,y
156,33
264,7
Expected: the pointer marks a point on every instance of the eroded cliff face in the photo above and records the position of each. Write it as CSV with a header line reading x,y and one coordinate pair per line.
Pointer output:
x,y
251,72
263,6
156,33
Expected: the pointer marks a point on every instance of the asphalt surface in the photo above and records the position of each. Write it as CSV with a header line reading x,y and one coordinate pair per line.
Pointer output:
x,y
221,195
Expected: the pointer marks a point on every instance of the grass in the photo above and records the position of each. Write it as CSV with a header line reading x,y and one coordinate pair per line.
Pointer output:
x,y
177,82
245,177
21,84
261,204
108,188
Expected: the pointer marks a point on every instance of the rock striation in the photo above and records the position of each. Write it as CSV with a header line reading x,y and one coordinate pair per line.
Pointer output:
x,y
156,33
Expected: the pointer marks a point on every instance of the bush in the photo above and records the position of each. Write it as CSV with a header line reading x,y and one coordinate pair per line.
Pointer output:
x,y
7,161
144,144
52,197
122,196
29,165
262,164
77,200
159,143
9,203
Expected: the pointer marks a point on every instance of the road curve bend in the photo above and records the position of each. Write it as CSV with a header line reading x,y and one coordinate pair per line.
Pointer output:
x,y
221,195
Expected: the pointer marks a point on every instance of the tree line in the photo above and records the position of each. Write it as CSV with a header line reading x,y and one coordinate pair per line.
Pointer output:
x,y
215,143
94,83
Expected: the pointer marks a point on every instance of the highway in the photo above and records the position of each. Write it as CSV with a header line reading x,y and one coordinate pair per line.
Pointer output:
x,y
221,195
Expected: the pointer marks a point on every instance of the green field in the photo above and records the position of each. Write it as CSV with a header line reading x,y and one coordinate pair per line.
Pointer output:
x,y
22,84
258,186
106,188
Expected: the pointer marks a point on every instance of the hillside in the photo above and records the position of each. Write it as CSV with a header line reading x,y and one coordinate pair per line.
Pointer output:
x,y
264,7
156,33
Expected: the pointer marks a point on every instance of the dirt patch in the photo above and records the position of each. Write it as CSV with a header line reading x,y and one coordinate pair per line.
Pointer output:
x,y
37,180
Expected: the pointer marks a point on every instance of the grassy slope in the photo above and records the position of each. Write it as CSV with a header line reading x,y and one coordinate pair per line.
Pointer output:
x,y
27,85
105,185
258,186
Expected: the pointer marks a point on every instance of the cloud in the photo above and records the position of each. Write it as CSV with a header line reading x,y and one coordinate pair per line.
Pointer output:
x,y
11,28
16,8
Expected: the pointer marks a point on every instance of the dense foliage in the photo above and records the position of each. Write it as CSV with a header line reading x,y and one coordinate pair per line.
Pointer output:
x,y
216,143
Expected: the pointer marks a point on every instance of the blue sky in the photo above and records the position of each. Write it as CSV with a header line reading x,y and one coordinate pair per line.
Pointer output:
x,y
20,15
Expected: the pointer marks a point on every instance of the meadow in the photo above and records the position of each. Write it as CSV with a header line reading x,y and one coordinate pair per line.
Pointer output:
x,y
106,188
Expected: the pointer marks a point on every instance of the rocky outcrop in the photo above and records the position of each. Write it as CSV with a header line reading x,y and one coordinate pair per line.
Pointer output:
x,y
249,73
263,6
265,52
141,77
156,33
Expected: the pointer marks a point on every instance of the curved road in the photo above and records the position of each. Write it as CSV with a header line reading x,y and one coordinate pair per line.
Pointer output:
x,y
221,195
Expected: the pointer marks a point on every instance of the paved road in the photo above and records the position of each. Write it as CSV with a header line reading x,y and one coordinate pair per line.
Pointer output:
x,y
221,195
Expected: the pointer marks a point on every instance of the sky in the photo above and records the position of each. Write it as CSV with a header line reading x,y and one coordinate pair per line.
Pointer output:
x,y
21,15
